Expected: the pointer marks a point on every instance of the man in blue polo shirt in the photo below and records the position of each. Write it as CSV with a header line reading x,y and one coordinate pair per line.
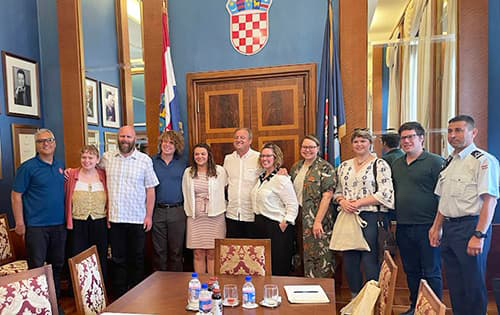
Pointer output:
x,y
38,206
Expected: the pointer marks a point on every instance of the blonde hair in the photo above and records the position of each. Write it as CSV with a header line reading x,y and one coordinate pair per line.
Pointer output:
x,y
90,149
364,133
278,154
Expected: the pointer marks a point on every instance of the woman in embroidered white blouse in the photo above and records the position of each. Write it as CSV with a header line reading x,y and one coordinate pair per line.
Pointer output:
x,y
275,205
359,191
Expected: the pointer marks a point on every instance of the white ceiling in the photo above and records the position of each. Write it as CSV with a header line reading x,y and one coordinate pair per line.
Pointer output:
x,y
385,17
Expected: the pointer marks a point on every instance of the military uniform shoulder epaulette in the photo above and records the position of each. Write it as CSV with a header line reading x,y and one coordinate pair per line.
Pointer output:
x,y
477,154
447,162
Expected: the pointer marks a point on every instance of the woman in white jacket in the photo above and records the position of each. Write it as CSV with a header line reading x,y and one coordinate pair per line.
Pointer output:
x,y
203,189
275,205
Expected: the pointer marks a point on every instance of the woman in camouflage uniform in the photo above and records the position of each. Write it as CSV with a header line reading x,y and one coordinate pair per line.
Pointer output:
x,y
314,181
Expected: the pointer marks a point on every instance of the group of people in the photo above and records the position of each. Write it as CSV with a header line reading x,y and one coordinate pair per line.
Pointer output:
x,y
443,208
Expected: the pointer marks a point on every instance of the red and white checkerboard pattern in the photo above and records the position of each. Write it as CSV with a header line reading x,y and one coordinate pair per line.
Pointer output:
x,y
249,32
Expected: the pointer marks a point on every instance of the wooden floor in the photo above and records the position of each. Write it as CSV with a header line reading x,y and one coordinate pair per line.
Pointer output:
x,y
343,297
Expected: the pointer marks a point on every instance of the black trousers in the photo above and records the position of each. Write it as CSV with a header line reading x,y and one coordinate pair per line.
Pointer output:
x,y
91,232
47,244
127,251
168,233
281,243
239,229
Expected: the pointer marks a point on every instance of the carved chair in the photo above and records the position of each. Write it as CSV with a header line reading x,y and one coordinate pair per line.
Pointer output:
x,y
8,262
387,285
88,282
235,256
427,301
28,292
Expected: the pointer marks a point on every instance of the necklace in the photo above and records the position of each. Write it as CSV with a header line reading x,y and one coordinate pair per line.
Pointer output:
x,y
362,162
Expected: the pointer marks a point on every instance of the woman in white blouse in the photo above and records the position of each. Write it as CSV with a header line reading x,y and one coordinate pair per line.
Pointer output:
x,y
203,189
276,207
358,191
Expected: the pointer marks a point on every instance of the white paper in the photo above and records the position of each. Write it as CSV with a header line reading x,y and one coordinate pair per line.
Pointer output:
x,y
306,294
26,147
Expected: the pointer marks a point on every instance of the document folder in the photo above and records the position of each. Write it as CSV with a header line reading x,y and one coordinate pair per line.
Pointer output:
x,y
303,294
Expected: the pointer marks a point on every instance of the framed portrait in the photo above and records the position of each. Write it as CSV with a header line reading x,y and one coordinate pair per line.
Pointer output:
x,y
23,143
91,101
21,86
93,138
110,141
110,106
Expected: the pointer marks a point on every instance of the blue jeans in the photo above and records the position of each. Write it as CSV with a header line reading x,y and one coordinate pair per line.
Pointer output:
x,y
353,259
420,260
465,274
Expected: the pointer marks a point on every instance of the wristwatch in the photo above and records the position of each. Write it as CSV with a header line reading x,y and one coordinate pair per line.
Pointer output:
x,y
479,234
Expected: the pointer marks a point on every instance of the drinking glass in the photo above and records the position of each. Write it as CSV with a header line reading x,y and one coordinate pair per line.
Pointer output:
x,y
271,294
230,295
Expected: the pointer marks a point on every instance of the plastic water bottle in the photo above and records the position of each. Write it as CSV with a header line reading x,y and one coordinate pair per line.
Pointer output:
x,y
248,292
194,290
205,299
217,308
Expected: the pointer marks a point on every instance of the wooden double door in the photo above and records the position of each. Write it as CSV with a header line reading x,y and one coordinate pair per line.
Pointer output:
x,y
277,103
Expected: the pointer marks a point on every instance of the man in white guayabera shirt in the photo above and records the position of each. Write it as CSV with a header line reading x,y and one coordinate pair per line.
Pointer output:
x,y
242,167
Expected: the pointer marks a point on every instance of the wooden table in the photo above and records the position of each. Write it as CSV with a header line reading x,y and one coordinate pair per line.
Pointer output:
x,y
166,293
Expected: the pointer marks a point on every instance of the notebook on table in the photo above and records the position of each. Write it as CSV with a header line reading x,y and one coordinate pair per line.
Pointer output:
x,y
303,294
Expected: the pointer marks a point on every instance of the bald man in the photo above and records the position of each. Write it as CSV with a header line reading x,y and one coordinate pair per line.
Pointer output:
x,y
131,183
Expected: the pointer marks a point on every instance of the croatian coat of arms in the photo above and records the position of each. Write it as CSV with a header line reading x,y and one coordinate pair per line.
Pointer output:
x,y
249,24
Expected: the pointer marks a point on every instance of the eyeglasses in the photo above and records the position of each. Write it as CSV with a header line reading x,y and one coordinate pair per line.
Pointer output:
x,y
408,137
361,129
309,147
48,141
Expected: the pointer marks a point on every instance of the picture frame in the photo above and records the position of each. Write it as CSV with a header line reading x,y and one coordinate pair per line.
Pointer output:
x,y
23,143
21,86
110,106
110,141
93,138
91,102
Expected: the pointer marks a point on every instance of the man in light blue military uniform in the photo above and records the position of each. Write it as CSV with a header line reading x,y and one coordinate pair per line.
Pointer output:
x,y
468,190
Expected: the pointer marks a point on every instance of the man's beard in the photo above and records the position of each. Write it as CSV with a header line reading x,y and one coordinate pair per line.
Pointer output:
x,y
123,147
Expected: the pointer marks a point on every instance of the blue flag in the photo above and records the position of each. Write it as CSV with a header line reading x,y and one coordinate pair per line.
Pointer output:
x,y
330,117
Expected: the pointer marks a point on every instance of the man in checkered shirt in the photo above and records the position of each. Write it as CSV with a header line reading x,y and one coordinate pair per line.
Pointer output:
x,y
131,196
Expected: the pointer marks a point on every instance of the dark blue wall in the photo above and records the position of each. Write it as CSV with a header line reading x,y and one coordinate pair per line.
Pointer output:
x,y
18,35
199,32
100,51
494,84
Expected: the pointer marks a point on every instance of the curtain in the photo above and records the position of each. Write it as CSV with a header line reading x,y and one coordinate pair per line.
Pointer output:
x,y
411,26
448,93
392,62
424,83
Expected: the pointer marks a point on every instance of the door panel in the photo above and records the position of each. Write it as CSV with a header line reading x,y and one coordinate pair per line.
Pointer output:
x,y
277,103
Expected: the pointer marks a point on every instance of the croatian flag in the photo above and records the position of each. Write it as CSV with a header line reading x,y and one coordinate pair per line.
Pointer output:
x,y
169,109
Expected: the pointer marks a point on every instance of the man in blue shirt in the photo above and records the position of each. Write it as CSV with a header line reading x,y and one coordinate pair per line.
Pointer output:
x,y
38,206
169,219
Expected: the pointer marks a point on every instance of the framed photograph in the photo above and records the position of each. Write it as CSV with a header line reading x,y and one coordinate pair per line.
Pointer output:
x,y
23,143
110,106
110,141
91,101
93,138
21,86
